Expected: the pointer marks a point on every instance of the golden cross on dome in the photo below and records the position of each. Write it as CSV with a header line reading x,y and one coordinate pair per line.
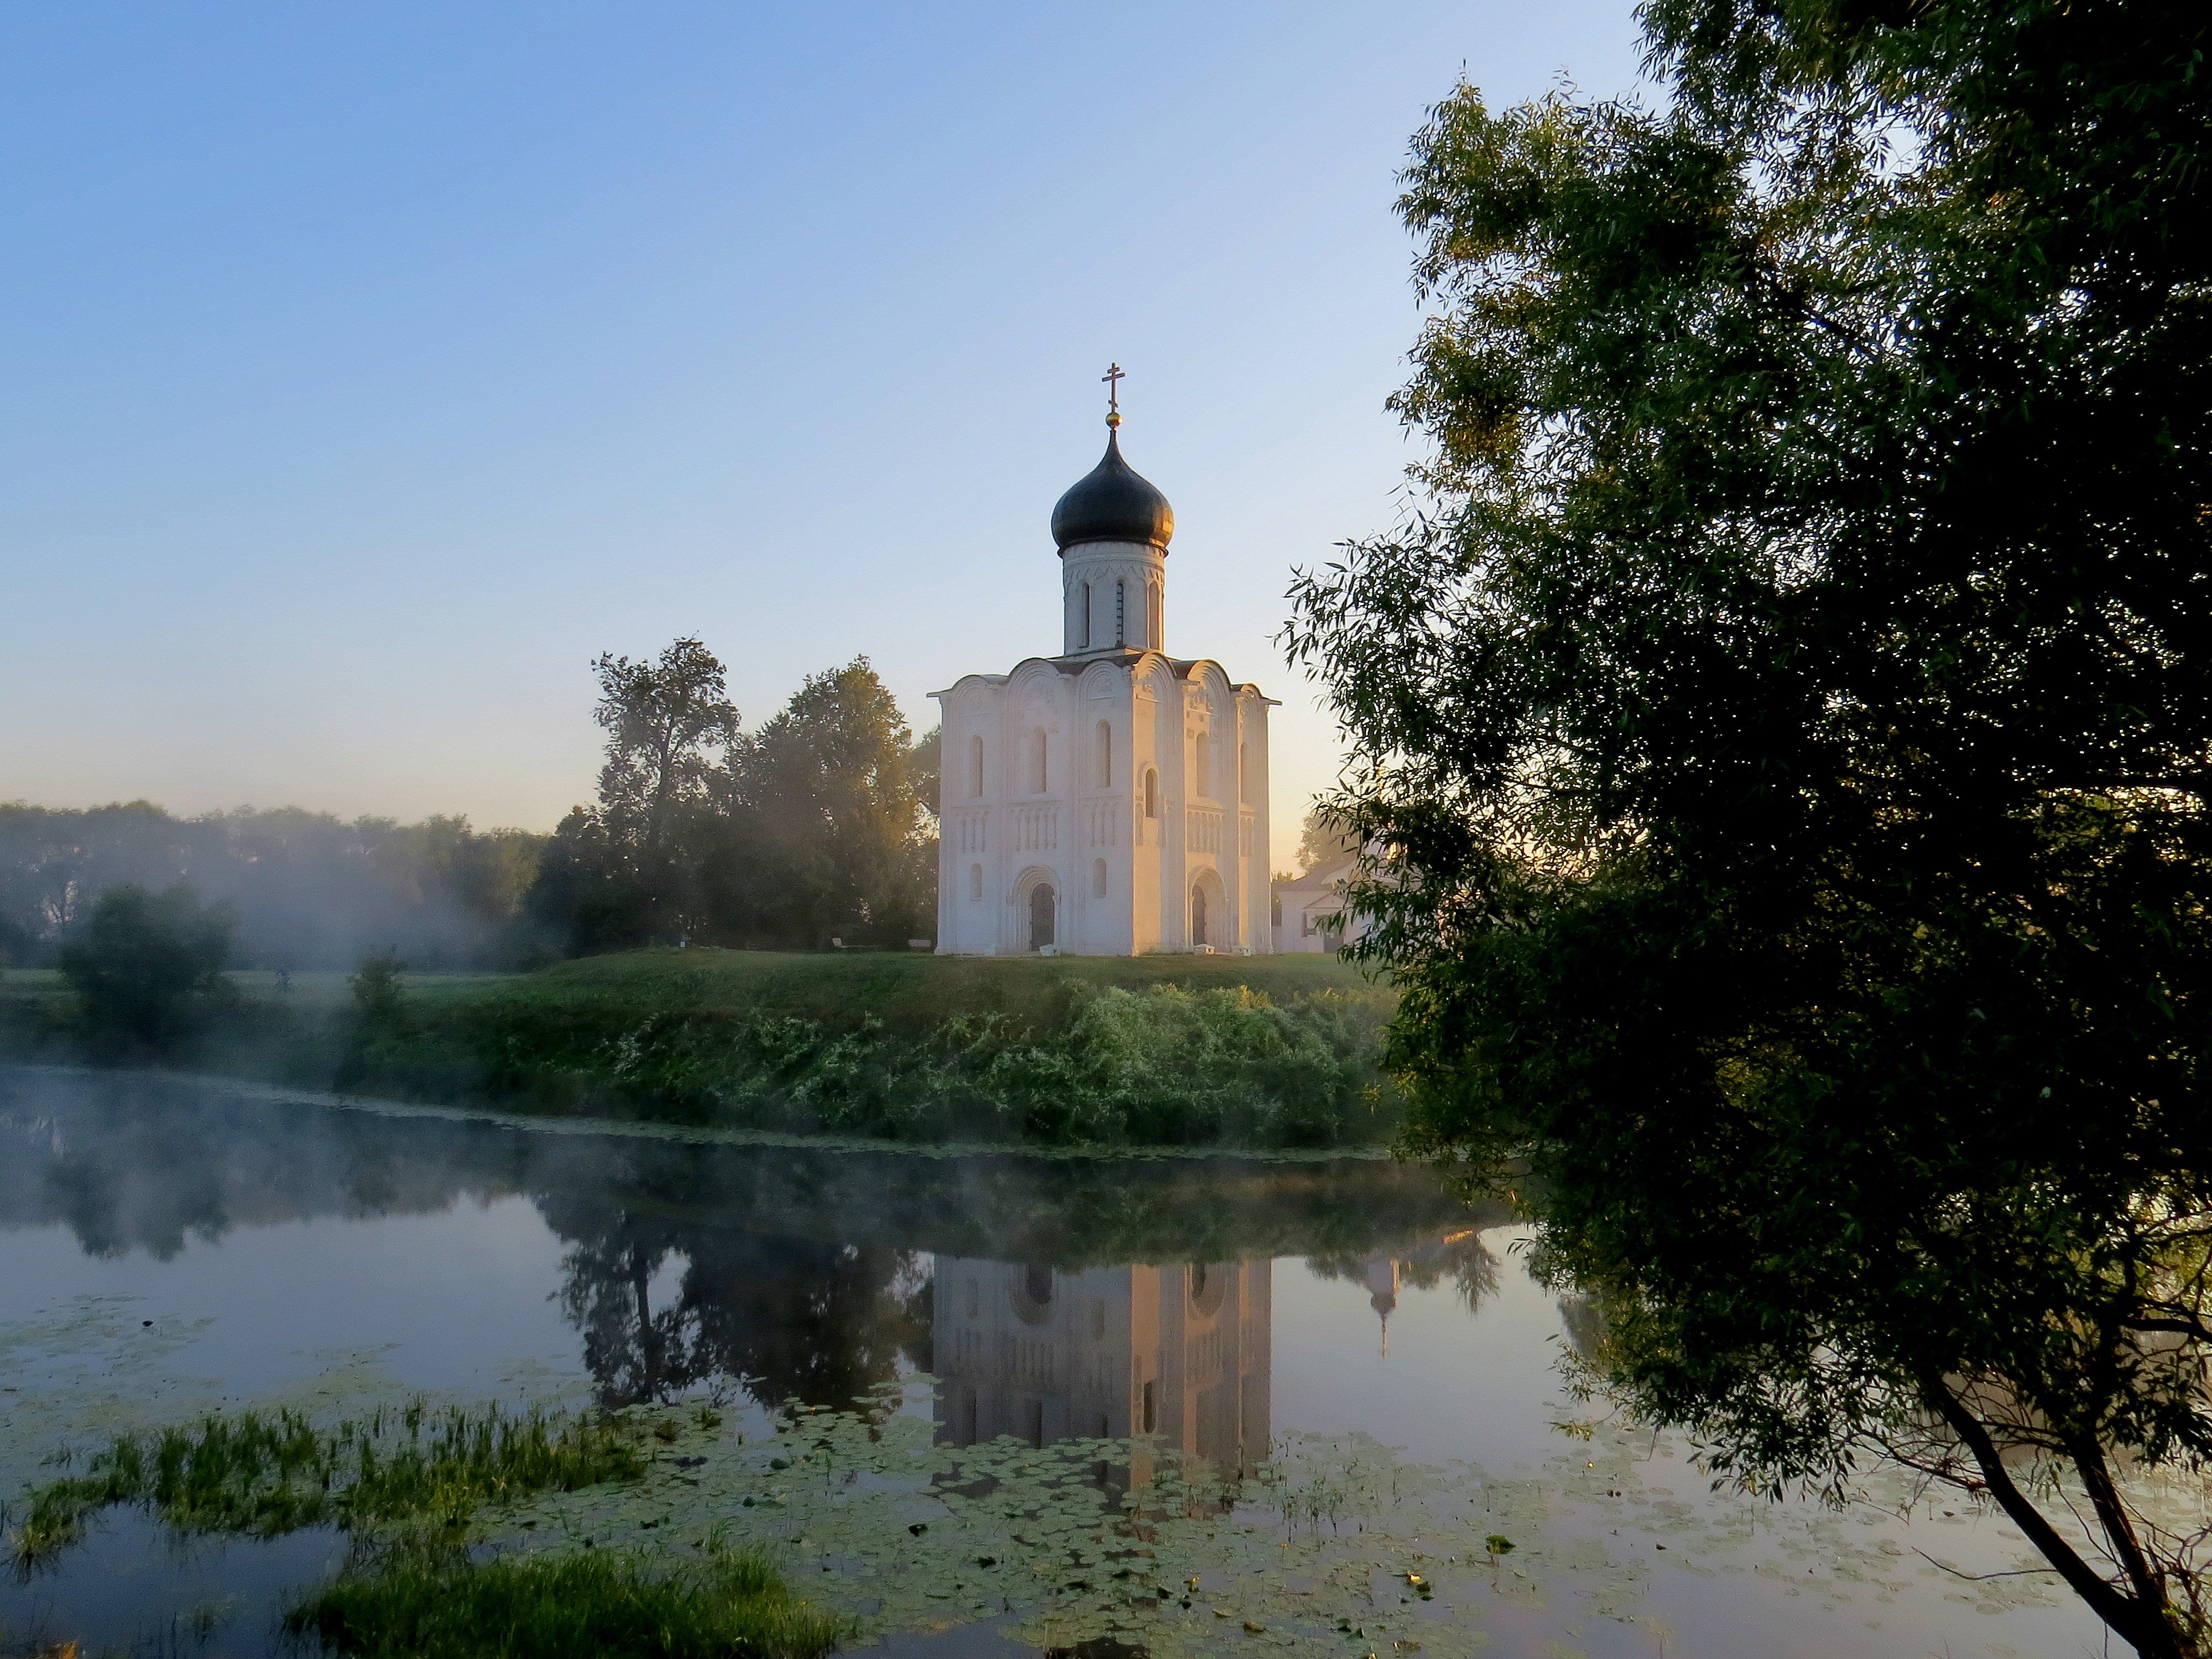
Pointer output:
x,y
1114,376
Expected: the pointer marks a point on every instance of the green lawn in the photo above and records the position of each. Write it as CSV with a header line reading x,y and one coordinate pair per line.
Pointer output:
x,y
905,990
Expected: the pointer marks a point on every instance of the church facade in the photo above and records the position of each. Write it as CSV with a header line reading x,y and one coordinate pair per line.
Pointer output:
x,y
1110,800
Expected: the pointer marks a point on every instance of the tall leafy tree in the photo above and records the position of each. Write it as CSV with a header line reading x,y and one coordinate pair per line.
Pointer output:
x,y
833,784
1788,732
626,870
147,966
1322,840
667,723
815,827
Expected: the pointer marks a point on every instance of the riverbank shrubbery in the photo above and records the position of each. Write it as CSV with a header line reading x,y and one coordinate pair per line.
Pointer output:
x,y
1256,1052
1165,1065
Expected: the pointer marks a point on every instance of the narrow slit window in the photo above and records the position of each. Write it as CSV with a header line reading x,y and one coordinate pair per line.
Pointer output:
x,y
1151,794
1105,755
1201,753
1098,878
1120,613
1039,776
1086,616
976,768
975,882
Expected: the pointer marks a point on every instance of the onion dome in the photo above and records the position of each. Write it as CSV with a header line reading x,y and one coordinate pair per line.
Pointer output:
x,y
1112,503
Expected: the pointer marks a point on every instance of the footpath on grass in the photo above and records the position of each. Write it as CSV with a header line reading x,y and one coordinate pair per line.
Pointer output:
x,y
1252,1052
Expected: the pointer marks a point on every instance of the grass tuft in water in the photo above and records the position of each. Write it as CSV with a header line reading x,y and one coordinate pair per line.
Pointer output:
x,y
603,1605
265,1474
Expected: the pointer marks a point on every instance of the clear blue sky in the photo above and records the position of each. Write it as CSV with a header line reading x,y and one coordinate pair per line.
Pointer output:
x,y
366,369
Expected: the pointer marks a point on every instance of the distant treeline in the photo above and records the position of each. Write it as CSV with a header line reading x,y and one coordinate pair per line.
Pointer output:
x,y
307,890
816,828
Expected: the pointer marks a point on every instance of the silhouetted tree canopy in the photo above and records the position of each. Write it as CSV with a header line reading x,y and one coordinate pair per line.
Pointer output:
x,y
147,966
816,827
1788,734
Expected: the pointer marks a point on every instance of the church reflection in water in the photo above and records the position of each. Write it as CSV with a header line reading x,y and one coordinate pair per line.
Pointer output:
x,y
1044,1354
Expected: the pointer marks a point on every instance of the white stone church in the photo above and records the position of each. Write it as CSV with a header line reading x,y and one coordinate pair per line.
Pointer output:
x,y
1111,800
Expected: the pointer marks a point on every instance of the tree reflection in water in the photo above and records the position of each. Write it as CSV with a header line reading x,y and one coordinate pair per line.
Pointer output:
x,y
797,1274
788,1319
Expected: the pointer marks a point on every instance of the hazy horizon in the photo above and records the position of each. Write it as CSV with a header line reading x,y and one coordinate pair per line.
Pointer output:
x,y
372,371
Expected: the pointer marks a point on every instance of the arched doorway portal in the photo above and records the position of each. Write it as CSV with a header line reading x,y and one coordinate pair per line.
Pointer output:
x,y
1212,924
1041,907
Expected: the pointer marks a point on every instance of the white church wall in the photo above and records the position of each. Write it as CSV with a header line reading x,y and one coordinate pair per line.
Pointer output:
x,y
1105,873
1255,829
1162,895
1101,744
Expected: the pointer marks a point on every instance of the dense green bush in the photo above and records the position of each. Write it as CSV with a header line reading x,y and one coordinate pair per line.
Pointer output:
x,y
1161,1065
148,966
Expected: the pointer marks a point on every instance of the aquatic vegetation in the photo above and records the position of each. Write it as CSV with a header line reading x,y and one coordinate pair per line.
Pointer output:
x,y
267,1473
1327,1546
1091,1540
1334,1544
596,1604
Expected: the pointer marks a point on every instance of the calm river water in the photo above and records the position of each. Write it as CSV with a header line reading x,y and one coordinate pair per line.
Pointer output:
x,y
168,1246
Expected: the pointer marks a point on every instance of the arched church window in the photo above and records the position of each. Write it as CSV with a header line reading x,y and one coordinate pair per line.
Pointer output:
x,y
975,767
1098,878
1151,794
1201,755
1152,613
1243,771
1105,755
1086,616
1040,753
1120,612
975,881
